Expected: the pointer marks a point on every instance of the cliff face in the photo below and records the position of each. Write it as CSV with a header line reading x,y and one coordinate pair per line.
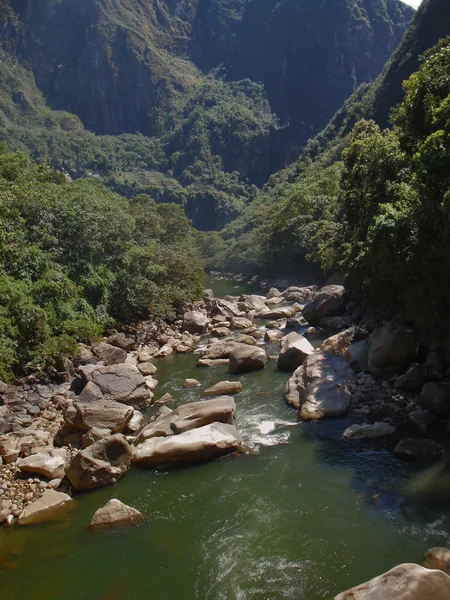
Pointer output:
x,y
117,63
309,55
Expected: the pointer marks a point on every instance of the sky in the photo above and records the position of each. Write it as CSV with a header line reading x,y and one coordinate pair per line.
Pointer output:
x,y
414,3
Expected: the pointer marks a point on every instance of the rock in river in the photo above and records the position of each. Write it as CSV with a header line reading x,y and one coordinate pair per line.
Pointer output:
x,y
321,387
190,416
103,463
294,350
115,513
246,358
223,388
418,449
203,443
195,322
50,506
405,582
365,431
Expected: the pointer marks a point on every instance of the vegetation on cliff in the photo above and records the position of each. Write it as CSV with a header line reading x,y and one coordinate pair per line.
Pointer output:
x,y
75,256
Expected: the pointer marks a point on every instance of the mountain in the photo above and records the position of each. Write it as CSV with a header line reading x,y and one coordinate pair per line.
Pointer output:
x,y
192,101
375,101
300,206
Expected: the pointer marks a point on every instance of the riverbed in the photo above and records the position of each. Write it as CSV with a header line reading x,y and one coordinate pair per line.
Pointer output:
x,y
304,515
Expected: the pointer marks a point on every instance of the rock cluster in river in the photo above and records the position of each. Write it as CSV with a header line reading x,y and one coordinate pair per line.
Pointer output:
x,y
86,428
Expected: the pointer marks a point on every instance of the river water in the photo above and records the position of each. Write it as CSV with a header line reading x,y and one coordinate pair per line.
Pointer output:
x,y
305,516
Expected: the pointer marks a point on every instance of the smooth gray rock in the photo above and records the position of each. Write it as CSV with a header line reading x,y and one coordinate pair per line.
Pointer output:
x,y
418,449
321,387
122,383
392,348
203,443
103,414
294,350
244,359
115,513
103,463
190,416
328,302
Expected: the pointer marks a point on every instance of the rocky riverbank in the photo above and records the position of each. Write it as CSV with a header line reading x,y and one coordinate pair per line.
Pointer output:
x,y
86,427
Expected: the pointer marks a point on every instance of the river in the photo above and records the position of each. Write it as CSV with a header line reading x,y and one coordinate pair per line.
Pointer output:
x,y
304,517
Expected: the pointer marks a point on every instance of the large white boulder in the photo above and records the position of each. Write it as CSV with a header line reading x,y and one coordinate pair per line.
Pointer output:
x,y
321,387
405,582
190,416
294,350
50,506
203,443
244,359
49,463
115,513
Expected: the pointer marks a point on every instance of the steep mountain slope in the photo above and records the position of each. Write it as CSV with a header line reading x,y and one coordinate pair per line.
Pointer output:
x,y
181,76
375,101
299,206
312,55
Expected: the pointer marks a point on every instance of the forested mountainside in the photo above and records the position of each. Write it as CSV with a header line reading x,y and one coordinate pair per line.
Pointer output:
x,y
306,194
194,102
376,209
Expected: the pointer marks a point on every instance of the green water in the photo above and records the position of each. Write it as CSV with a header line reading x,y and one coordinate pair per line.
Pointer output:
x,y
308,515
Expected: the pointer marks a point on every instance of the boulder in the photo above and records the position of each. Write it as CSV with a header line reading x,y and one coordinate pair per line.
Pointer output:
x,y
137,422
115,513
195,322
110,355
418,449
270,302
438,558
294,350
365,431
90,393
299,294
225,308
203,443
328,302
422,418
220,331
357,355
249,302
282,312
103,414
151,384
191,383
321,387
245,358
190,416
240,323
94,435
273,335
147,368
122,383
245,339
218,350
392,348
411,381
23,443
120,340
273,293
295,322
165,399
50,506
208,294
208,362
407,581
435,397
103,463
338,344
49,463
224,388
